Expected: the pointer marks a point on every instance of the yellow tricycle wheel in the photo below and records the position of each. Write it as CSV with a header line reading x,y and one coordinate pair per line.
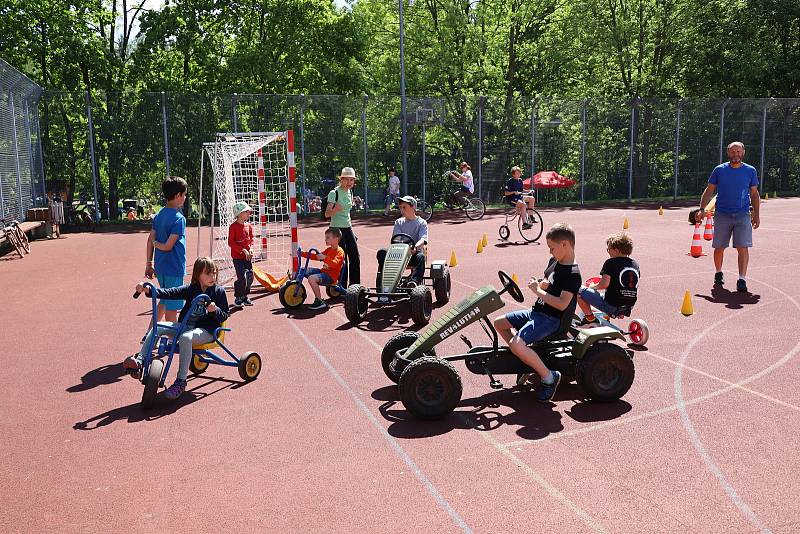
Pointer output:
x,y
250,366
197,366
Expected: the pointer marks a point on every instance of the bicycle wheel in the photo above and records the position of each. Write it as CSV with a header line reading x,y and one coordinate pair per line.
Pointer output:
x,y
534,232
475,209
424,209
13,238
23,240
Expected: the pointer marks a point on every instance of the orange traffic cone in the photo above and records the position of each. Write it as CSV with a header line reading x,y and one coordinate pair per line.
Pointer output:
x,y
697,244
708,233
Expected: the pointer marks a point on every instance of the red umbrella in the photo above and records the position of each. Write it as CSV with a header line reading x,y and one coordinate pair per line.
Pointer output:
x,y
548,180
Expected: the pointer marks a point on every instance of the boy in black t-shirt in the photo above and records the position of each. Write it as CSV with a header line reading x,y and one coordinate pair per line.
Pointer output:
x,y
554,295
619,277
514,196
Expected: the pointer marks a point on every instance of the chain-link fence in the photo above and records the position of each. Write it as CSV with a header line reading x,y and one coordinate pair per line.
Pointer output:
x,y
21,171
125,143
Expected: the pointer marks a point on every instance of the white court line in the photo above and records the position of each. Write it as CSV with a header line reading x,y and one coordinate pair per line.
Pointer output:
x,y
440,500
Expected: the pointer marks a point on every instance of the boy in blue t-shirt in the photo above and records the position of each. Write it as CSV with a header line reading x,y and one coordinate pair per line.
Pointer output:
x,y
166,245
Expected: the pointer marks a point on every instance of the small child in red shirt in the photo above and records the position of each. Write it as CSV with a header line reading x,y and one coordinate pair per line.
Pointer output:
x,y
240,240
333,259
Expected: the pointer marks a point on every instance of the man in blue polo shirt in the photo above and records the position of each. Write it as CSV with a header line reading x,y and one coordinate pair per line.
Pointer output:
x,y
736,186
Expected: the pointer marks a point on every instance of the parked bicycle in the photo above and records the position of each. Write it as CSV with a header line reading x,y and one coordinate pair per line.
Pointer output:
x,y
16,237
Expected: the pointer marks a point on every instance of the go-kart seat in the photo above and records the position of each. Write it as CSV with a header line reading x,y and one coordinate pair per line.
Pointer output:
x,y
565,325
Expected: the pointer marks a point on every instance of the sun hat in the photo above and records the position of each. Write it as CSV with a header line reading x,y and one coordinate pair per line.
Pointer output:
x,y
239,207
408,199
348,172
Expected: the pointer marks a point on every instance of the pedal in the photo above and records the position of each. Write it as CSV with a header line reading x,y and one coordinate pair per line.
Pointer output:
x,y
466,341
495,384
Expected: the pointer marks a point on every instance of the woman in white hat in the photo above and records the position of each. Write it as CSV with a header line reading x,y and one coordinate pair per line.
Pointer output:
x,y
340,202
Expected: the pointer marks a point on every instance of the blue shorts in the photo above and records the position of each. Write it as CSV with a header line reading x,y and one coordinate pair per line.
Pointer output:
x,y
464,189
324,278
513,199
736,225
166,282
595,299
390,198
532,326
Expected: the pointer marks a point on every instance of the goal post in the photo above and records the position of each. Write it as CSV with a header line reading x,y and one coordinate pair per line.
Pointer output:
x,y
257,168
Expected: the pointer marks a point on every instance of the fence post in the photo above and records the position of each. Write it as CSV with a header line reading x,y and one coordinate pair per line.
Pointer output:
x,y
632,147
583,147
166,136
303,152
533,140
722,130
763,139
364,134
234,116
41,152
480,147
677,150
16,155
91,153
26,111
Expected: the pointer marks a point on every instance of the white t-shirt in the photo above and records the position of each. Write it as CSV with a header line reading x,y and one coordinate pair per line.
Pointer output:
x,y
468,183
394,185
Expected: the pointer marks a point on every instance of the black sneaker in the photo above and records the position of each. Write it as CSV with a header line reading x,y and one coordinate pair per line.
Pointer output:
x,y
247,302
527,226
318,305
238,302
719,279
741,286
549,390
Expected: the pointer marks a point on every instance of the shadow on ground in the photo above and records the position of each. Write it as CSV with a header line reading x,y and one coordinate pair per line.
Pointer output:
x,y
733,300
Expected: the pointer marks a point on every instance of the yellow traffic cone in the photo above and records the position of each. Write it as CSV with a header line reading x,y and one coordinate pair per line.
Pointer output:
x,y
514,278
661,210
686,308
480,246
625,224
485,241
766,196
453,260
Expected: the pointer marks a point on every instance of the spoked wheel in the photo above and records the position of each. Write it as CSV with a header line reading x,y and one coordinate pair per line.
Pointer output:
x,y
605,372
356,303
292,294
23,240
475,209
250,366
424,209
151,382
537,226
13,238
333,292
430,388
639,333
197,365
504,232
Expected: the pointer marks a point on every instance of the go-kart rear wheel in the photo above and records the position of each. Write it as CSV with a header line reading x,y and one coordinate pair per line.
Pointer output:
x,y
533,233
403,340
421,305
250,366
292,294
475,209
356,303
151,383
197,365
430,388
333,292
504,232
605,372
639,333
441,287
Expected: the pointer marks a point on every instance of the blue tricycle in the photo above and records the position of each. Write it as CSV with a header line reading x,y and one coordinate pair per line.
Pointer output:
x,y
154,371
292,293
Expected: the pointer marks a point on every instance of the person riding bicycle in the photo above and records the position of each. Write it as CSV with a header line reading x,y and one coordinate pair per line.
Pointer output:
x,y
514,197
467,188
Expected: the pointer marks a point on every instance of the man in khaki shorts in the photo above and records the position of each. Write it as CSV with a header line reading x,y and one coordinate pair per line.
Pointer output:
x,y
736,185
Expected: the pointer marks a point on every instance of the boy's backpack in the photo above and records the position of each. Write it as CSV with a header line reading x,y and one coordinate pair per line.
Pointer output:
x,y
325,204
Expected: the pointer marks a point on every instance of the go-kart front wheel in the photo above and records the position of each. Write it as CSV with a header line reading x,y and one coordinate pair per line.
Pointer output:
x,y
250,366
421,305
441,287
430,388
403,340
151,382
605,372
197,365
292,294
356,304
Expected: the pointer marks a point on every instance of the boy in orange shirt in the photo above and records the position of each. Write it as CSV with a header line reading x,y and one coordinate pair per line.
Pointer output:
x,y
240,240
333,259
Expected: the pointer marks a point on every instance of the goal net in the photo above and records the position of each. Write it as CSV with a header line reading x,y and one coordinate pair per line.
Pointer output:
x,y
257,168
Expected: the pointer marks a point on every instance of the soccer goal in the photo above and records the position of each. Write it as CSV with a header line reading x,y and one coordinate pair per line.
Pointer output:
x,y
257,168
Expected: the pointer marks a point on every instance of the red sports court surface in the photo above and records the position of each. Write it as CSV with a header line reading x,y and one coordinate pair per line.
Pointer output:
x,y
705,441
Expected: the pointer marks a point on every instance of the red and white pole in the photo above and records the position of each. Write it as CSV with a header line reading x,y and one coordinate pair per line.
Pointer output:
x,y
262,204
292,197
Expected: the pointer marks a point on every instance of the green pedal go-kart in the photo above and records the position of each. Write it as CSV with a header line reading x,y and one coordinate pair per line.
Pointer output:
x,y
394,286
430,387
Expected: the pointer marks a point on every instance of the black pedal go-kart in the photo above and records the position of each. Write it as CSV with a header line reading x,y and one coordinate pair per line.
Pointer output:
x,y
395,286
430,386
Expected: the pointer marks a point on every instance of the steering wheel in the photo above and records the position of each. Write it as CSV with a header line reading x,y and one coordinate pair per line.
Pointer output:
x,y
511,286
403,238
